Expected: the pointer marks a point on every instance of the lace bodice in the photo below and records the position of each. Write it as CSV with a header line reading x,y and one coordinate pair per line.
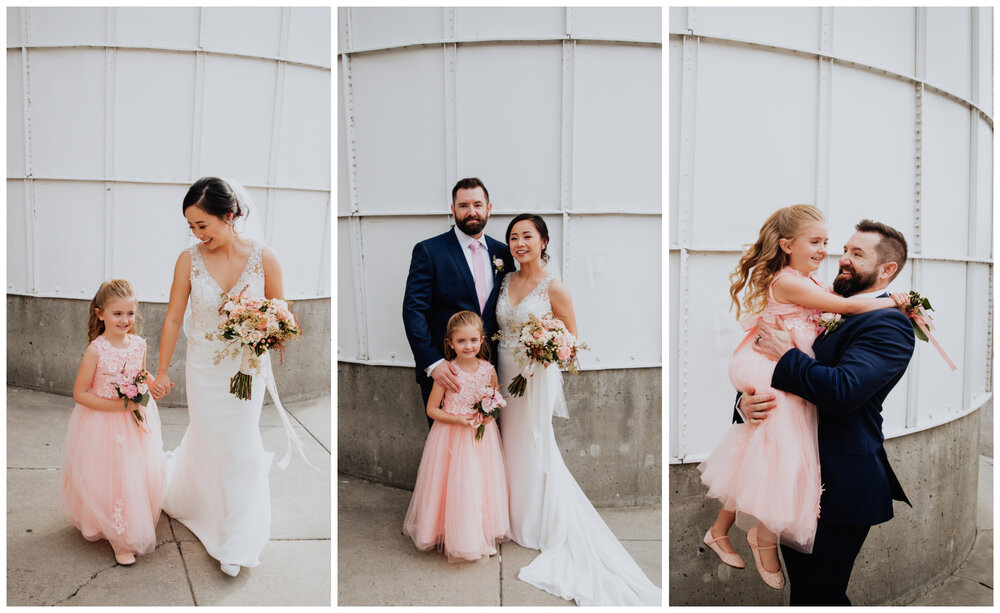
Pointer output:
x,y
206,295
536,302
799,320
110,361
471,382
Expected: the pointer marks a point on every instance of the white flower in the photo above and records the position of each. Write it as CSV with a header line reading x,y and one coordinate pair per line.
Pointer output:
x,y
498,264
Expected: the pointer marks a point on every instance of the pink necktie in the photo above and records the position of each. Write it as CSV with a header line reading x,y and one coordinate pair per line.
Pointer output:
x,y
479,274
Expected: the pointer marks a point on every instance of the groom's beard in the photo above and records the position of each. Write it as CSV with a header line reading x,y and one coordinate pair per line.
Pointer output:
x,y
471,225
854,284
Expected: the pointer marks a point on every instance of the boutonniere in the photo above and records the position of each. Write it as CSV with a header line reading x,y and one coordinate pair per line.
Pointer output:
x,y
498,264
829,321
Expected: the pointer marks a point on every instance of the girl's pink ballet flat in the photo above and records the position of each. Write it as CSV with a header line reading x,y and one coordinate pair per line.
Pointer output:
x,y
731,559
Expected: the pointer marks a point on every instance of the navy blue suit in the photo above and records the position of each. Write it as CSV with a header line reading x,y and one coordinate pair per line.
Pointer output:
x,y
856,367
439,285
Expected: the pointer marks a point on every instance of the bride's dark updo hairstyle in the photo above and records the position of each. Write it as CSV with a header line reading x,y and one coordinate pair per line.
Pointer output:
x,y
214,196
540,226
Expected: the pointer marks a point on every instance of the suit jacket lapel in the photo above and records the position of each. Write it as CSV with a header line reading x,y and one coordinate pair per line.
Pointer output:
x,y
458,258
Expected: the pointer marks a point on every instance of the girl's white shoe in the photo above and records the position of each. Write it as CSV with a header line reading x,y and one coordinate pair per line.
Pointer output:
x,y
230,569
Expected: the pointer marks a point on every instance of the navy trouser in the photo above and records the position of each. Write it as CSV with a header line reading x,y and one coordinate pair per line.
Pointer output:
x,y
821,578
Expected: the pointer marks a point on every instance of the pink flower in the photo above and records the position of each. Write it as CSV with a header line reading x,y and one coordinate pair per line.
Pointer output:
x,y
121,379
564,352
131,391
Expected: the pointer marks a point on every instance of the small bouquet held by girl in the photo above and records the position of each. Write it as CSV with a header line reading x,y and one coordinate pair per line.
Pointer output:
x,y
133,388
257,325
542,342
487,406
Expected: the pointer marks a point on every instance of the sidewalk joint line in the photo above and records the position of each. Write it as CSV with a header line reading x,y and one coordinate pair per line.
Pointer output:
x,y
180,551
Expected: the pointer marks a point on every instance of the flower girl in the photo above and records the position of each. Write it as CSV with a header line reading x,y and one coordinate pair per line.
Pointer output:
x,y
114,475
767,474
459,502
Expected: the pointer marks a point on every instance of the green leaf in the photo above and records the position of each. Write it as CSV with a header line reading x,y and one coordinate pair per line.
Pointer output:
x,y
926,304
918,332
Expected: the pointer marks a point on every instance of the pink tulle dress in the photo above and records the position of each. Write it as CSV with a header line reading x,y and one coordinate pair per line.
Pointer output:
x,y
769,472
459,502
114,477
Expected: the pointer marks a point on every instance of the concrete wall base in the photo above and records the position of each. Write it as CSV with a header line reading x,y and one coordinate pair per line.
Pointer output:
x,y
46,338
611,442
901,560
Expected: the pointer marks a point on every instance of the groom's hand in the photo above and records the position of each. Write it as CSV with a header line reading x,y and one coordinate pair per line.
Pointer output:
x,y
756,406
446,374
773,340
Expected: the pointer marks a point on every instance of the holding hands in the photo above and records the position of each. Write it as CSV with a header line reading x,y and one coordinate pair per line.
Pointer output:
x,y
160,386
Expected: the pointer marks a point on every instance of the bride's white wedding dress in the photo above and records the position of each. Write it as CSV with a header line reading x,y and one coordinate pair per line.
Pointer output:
x,y
217,479
581,559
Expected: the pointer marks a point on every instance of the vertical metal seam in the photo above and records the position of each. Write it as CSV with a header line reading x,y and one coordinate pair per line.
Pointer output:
x,y
566,144
31,226
361,293
450,52
824,114
682,356
354,221
912,414
110,58
277,117
568,14
685,190
327,246
197,118
689,88
974,85
972,245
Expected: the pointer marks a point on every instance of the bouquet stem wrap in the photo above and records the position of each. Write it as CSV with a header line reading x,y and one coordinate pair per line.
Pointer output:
x,y
242,381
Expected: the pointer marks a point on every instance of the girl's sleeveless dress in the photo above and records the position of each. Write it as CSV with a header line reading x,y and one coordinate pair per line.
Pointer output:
x,y
114,477
769,472
459,502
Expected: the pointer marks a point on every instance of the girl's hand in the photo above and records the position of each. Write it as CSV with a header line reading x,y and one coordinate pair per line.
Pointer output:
x,y
902,300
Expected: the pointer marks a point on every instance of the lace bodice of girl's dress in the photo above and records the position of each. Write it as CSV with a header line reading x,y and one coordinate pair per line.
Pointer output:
x,y
206,295
471,383
536,302
110,361
799,320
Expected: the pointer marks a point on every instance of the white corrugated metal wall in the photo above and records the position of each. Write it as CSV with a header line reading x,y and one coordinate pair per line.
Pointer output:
x,y
113,112
884,113
557,110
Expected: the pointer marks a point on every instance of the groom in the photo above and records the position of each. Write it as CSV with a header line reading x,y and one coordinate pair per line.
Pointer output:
x,y
856,367
459,270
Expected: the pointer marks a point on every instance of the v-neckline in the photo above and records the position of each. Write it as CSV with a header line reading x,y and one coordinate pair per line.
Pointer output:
x,y
525,297
240,276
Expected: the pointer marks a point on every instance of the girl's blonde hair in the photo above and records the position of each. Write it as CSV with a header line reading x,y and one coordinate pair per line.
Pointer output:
x,y
763,259
115,289
460,320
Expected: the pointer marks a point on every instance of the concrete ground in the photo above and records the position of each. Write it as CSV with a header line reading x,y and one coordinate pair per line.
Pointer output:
x,y
972,583
378,564
50,563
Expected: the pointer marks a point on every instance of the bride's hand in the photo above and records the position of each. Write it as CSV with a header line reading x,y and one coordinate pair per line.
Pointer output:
x,y
160,386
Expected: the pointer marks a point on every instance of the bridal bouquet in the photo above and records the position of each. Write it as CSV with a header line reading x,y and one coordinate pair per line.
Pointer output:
x,y
133,388
542,341
489,404
254,325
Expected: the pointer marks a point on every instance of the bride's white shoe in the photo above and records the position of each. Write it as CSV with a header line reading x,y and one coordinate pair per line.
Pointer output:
x,y
230,569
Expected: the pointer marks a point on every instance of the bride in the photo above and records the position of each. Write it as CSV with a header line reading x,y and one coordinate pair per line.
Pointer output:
x,y
581,559
217,479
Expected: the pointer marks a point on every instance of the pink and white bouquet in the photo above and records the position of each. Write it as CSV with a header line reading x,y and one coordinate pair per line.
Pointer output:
x,y
543,341
254,325
133,388
489,404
